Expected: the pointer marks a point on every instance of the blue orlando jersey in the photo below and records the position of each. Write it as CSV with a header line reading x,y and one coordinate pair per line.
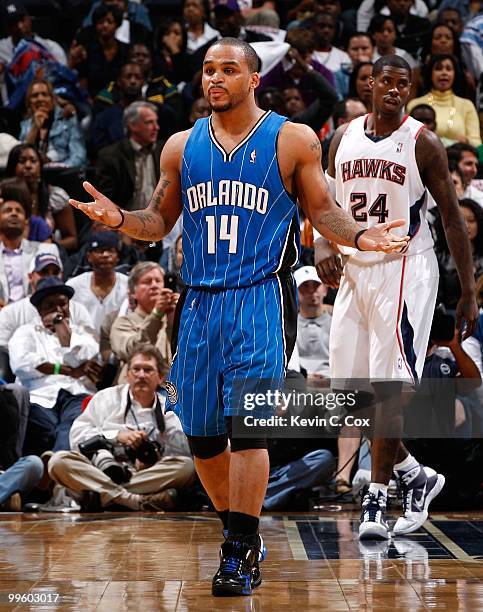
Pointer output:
x,y
239,223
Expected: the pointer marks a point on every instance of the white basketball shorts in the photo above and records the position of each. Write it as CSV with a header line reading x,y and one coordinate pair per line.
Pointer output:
x,y
382,318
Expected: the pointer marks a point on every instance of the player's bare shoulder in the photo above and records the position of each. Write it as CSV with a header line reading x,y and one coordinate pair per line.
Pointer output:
x,y
298,143
430,152
172,153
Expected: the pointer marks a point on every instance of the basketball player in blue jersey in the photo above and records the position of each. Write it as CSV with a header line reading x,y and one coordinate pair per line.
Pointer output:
x,y
380,168
236,177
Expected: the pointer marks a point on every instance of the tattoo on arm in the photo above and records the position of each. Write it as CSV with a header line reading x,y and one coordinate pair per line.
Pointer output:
x,y
143,225
341,224
315,146
160,191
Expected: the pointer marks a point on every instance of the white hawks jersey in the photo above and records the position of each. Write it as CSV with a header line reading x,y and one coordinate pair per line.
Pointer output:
x,y
379,181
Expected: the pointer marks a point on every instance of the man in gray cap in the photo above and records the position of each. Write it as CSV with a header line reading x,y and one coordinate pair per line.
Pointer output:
x,y
19,313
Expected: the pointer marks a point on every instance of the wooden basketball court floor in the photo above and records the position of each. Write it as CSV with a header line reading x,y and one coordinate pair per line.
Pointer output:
x,y
142,562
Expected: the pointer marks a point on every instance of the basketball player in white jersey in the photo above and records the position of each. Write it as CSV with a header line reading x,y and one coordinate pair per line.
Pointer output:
x,y
380,168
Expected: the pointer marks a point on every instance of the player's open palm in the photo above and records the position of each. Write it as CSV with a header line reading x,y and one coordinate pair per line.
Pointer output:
x,y
101,209
380,238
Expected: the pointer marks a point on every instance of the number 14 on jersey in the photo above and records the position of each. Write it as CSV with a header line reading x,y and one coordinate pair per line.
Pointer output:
x,y
227,230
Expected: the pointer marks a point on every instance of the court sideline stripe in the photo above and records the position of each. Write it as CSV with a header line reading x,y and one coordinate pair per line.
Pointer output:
x,y
447,542
295,541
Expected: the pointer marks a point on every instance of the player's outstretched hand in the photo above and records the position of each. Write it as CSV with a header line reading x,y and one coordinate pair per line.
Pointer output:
x,y
379,238
330,271
102,209
467,314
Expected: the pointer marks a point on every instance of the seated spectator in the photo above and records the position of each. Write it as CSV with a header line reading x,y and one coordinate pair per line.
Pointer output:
x,y
128,416
36,228
426,114
359,84
449,286
49,202
128,171
451,17
55,362
368,8
444,41
360,49
344,111
290,102
136,23
229,21
456,117
200,34
95,53
18,480
171,59
19,26
129,254
152,319
412,30
107,127
313,326
294,69
22,312
57,138
325,28
16,252
383,30
466,158
103,290
158,89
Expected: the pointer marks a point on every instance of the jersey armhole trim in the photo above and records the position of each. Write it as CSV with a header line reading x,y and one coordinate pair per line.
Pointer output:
x,y
416,136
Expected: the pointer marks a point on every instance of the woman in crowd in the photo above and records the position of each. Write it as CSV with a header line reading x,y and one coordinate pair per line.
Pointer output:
x,y
48,202
199,32
456,117
170,46
359,84
57,138
449,285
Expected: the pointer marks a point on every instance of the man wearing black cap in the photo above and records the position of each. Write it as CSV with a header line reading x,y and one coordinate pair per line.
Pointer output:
x,y
19,313
19,25
103,290
55,362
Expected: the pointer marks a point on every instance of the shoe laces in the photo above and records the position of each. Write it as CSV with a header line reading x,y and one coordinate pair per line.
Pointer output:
x,y
231,565
371,507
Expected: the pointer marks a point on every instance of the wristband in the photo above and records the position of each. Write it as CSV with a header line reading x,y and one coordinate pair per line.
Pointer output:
x,y
57,367
122,220
158,313
356,238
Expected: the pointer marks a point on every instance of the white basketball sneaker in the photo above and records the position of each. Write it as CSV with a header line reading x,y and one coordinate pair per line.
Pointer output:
x,y
419,487
373,517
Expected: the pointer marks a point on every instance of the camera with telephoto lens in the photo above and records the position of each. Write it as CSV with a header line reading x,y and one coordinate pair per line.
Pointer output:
x,y
149,453
102,454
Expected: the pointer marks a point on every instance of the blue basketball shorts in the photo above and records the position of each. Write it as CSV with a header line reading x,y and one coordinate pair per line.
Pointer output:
x,y
224,338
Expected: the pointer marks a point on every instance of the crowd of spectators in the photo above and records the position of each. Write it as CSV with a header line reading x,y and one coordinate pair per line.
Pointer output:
x,y
86,314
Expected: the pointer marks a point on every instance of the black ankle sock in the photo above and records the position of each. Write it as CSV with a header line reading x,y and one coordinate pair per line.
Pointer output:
x,y
240,524
223,516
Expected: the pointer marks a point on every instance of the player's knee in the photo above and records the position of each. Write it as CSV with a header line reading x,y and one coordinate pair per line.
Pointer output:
x,y
207,447
240,444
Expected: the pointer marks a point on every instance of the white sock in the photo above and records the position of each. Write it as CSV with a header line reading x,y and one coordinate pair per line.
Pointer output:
x,y
375,487
408,464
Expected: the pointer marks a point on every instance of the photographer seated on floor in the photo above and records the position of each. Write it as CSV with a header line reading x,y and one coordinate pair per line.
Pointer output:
x,y
127,451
